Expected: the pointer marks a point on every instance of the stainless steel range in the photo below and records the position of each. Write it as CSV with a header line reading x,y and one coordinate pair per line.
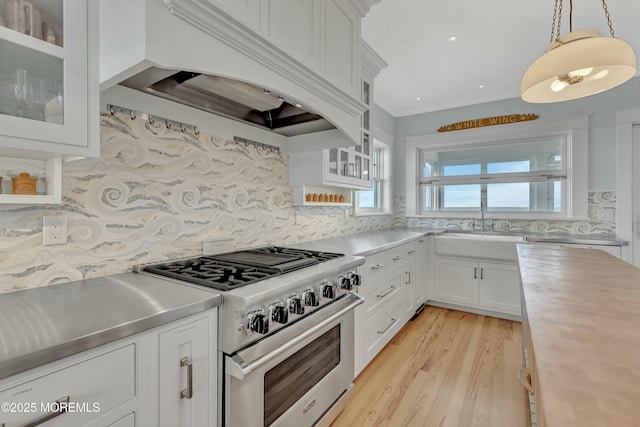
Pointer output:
x,y
285,331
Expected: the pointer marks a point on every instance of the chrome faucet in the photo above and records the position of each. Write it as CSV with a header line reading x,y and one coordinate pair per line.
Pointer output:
x,y
483,206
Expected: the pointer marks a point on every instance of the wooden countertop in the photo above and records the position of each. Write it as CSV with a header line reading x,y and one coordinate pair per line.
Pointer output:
x,y
582,310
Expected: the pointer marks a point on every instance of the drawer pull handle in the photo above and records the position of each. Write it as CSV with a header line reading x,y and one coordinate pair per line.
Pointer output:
x,y
62,406
377,266
393,321
387,292
421,241
410,252
397,258
408,282
188,392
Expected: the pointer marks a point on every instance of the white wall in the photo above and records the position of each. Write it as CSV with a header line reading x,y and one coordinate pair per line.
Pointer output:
x,y
601,134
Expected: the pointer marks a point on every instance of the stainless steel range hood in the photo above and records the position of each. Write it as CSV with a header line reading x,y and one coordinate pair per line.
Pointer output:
x,y
230,98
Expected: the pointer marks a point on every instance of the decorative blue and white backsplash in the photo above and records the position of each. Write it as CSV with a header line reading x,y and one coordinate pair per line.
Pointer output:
x,y
601,204
157,193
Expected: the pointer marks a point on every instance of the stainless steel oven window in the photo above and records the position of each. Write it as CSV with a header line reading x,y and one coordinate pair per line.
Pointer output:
x,y
286,383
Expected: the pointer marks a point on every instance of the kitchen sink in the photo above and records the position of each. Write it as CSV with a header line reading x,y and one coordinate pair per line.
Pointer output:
x,y
487,245
485,236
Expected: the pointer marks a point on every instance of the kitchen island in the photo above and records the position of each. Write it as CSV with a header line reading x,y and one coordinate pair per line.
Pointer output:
x,y
581,309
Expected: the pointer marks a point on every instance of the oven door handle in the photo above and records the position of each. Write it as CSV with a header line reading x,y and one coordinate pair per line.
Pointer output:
x,y
238,368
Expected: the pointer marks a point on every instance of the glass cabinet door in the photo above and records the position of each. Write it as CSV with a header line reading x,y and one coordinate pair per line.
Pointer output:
x,y
44,77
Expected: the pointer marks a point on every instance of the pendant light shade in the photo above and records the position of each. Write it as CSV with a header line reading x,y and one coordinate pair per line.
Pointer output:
x,y
578,64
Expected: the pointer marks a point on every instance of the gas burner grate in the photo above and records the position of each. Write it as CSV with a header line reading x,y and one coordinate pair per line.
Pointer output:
x,y
212,273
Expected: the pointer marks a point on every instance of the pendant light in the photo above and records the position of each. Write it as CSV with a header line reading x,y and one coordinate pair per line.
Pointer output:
x,y
577,64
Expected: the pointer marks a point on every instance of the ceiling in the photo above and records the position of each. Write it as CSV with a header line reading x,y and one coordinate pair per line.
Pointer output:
x,y
497,41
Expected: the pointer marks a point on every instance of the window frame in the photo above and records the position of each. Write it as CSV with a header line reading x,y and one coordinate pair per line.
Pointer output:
x,y
384,179
574,129
484,178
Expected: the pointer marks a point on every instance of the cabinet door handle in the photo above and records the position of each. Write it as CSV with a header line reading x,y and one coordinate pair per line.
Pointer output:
x,y
393,321
410,252
62,407
387,292
475,272
408,282
377,266
421,241
397,258
187,393
482,273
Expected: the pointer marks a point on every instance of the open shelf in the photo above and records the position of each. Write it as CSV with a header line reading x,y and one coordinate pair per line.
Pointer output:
x,y
300,196
49,187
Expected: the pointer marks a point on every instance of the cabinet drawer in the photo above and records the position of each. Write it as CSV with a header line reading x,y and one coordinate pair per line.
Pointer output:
x,y
374,267
379,331
383,293
94,387
128,421
400,255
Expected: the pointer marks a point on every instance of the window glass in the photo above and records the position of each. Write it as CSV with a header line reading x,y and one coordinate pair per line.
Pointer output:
x,y
509,176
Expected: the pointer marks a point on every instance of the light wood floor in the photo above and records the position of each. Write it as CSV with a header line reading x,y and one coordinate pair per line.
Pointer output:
x,y
446,368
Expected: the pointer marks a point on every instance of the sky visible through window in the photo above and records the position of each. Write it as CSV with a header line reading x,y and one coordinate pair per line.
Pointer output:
x,y
500,196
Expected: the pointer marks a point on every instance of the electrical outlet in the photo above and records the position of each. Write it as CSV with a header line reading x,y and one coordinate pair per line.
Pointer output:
x,y
605,215
54,230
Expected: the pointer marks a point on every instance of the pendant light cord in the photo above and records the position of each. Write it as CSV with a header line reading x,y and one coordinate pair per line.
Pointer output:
x,y
571,16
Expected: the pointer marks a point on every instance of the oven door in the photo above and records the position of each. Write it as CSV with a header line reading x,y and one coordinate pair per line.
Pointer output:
x,y
295,376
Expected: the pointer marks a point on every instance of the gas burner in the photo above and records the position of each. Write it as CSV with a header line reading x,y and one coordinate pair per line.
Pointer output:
x,y
234,269
212,273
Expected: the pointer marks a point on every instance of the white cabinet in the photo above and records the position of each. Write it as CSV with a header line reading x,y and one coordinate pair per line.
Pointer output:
x,y
136,381
479,284
456,281
347,167
49,79
99,384
498,287
423,285
184,376
388,283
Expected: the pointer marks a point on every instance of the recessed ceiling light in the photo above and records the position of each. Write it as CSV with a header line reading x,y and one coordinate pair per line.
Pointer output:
x,y
418,99
481,86
453,37
299,105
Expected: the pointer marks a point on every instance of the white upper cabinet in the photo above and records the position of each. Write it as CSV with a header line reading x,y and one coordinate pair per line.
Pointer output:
x,y
342,40
49,78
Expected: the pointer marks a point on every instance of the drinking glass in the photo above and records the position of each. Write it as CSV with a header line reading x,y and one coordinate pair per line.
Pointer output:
x,y
22,90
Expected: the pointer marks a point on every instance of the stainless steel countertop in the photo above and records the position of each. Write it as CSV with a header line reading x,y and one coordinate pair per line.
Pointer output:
x,y
371,242
368,243
41,325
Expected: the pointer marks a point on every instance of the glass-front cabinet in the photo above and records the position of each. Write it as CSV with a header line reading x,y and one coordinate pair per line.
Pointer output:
x,y
352,165
49,94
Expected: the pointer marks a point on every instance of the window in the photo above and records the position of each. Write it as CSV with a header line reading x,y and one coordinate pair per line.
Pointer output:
x,y
377,200
528,170
519,176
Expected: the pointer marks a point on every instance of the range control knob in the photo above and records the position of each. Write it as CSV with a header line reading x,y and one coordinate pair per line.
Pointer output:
x,y
355,279
257,322
278,313
310,298
328,290
345,282
295,304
